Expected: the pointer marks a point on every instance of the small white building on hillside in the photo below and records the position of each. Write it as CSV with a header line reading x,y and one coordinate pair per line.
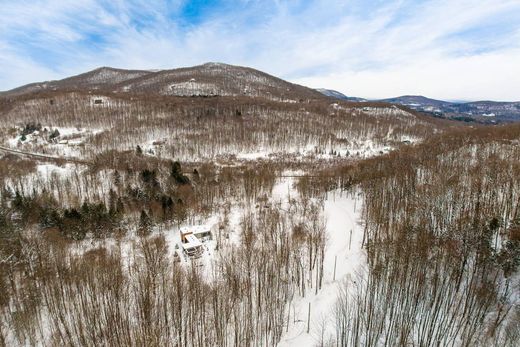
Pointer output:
x,y
201,232
192,238
192,247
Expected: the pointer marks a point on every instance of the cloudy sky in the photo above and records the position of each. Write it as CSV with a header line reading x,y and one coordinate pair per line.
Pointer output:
x,y
448,49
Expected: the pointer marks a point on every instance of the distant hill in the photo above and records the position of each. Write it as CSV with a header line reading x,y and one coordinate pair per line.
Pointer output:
x,y
416,100
479,111
338,95
475,111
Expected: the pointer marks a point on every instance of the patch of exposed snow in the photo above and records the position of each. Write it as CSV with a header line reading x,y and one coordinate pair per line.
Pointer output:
x,y
344,248
253,155
47,170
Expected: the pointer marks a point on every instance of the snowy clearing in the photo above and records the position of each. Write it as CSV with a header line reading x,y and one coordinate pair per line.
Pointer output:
x,y
345,236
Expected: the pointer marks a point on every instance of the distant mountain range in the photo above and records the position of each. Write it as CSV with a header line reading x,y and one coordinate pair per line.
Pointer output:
x,y
475,111
217,79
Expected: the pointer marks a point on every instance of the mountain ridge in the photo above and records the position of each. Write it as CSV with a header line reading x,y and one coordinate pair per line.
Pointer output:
x,y
219,79
209,79
482,111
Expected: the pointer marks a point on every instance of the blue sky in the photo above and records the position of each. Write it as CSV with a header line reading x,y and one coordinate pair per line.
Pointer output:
x,y
450,49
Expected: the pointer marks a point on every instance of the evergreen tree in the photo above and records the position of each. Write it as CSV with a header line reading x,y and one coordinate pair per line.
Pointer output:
x,y
117,178
54,134
177,175
5,225
145,224
49,217
167,206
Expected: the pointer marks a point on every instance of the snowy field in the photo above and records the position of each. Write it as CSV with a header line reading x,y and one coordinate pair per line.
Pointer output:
x,y
344,261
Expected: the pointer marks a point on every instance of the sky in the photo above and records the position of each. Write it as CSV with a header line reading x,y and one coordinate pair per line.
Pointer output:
x,y
445,49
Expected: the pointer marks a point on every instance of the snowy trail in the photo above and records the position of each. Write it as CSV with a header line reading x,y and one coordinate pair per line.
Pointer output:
x,y
342,212
42,156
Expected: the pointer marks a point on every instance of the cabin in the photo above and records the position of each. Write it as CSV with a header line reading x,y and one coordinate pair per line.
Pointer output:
x,y
192,238
97,100
159,142
192,246
202,232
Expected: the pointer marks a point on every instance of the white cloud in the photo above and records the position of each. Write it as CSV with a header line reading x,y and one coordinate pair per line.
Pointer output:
x,y
362,49
492,76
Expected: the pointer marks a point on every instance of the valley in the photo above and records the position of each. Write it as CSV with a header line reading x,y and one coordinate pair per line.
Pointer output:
x,y
219,205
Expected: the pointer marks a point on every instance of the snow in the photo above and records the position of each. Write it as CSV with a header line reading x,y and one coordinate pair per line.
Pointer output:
x,y
410,139
344,247
358,149
192,88
47,170
235,217
192,242
253,155
284,190
71,131
345,236
172,237
13,142
104,74
195,229
127,246
387,112
65,145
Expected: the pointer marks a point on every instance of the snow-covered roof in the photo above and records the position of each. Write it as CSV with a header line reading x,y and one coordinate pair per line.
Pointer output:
x,y
193,242
195,229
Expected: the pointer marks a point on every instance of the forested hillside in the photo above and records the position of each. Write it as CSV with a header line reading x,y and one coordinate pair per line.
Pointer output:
x,y
326,222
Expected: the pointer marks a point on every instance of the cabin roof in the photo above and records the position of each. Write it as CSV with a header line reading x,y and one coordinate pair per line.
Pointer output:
x,y
192,242
195,229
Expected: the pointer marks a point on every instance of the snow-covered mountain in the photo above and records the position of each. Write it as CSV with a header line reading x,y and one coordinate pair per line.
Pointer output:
x,y
102,78
210,79
207,111
217,79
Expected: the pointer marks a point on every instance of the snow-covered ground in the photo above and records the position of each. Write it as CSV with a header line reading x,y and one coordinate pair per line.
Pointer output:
x,y
344,247
46,171
344,256
66,144
173,240
253,155
358,149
